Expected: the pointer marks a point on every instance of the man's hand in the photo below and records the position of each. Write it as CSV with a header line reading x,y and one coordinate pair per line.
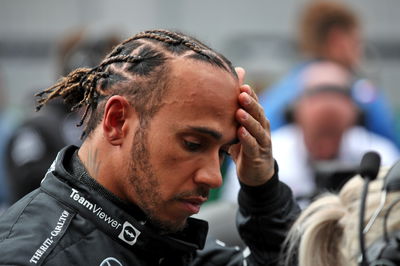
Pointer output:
x,y
253,153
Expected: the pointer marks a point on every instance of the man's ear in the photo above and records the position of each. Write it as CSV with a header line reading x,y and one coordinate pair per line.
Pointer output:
x,y
115,119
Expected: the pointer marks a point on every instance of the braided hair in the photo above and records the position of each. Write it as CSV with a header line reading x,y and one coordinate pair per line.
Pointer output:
x,y
143,59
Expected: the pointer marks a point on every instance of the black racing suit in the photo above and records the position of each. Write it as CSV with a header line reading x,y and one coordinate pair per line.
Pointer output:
x,y
72,220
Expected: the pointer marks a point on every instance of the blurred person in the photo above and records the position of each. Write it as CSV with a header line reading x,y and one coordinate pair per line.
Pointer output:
x,y
161,111
5,131
327,231
323,145
330,30
36,141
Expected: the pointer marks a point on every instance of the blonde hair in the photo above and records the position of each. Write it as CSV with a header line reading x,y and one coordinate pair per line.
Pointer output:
x,y
326,232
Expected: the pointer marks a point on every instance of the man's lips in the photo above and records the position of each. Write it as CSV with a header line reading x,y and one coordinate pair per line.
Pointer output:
x,y
193,204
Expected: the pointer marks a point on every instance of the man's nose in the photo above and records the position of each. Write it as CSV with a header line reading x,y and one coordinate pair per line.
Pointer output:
x,y
209,174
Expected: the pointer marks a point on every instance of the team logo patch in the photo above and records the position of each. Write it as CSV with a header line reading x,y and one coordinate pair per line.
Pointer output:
x,y
129,234
110,261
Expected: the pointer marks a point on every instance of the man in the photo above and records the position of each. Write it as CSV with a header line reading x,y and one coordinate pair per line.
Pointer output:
x,y
5,128
162,110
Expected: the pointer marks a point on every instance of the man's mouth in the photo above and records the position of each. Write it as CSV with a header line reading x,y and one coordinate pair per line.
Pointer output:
x,y
193,204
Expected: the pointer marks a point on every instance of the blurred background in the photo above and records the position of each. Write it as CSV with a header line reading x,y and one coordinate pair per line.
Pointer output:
x,y
258,35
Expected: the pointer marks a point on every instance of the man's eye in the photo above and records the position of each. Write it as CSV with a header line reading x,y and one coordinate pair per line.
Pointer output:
x,y
192,146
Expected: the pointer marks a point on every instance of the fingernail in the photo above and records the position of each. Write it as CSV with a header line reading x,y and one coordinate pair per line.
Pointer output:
x,y
245,116
247,99
244,132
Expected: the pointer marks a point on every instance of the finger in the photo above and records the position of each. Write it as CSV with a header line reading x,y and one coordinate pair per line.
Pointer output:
x,y
248,142
253,127
254,109
247,89
241,73
234,151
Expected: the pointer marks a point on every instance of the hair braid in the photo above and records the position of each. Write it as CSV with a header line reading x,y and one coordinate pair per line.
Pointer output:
x,y
150,35
120,58
82,80
68,88
174,39
200,48
191,43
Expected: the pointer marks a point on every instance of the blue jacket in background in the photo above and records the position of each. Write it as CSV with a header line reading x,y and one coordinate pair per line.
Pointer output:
x,y
377,113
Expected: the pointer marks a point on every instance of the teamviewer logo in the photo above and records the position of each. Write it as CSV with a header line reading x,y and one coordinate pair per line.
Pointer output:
x,y
129,234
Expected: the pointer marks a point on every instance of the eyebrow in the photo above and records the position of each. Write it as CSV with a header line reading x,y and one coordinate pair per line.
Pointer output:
x,y
213,133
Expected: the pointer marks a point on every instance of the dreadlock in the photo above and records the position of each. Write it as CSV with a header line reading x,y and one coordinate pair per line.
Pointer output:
x,y
142,59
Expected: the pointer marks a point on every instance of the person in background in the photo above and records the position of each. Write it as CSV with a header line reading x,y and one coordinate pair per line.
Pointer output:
x,y
6,126
161,111
327,231
330,30
35,142
323,145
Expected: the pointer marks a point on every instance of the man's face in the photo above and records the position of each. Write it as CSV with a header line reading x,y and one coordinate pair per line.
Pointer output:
x,y
324,118
176,159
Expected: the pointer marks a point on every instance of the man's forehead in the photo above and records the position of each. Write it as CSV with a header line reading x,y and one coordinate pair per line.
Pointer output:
x,y
182,66
198,82
203,98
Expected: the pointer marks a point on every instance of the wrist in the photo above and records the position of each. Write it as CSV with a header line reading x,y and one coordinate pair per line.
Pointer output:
x,y
262,179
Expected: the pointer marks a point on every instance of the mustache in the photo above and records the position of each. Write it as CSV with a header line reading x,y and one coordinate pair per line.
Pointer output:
x,y
200,191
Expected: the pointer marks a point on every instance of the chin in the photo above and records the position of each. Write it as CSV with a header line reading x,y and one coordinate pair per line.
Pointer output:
x,y
169,226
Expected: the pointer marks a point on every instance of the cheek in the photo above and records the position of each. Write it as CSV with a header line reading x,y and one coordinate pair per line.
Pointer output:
x,y
175,166
167,155
172,167
164,153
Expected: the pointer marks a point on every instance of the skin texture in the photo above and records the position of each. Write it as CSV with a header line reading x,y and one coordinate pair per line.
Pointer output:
x,y
168,165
